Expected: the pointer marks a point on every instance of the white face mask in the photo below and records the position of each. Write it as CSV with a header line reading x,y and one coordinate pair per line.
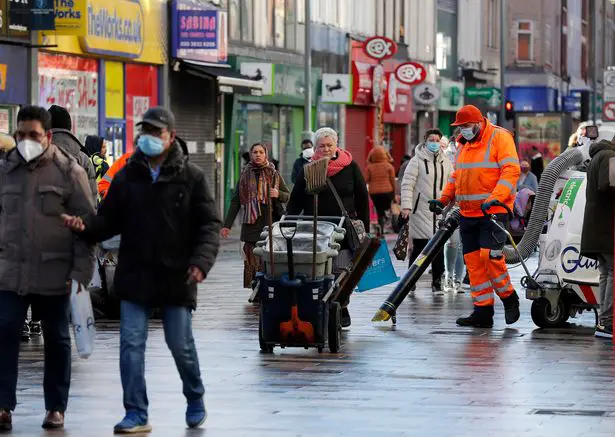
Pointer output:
x,y
468,133
29,149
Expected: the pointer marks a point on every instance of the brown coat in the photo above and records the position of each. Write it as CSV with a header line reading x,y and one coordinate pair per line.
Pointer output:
x,y
380,172
38,254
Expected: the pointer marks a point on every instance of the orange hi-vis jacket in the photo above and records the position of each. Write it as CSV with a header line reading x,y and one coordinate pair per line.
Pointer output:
x,y
105,182
485,169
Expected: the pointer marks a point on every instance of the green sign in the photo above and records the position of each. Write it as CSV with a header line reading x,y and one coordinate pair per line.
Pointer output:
x,y
569,194
485,93
455,96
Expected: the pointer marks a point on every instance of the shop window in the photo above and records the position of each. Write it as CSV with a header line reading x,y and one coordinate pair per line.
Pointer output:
x,y
290,36
71,82
525,41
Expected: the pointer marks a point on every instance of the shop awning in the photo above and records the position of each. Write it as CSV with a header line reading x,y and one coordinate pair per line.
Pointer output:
x,y
228,80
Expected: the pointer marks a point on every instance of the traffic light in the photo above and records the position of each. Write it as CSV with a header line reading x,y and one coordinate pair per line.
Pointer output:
x,y
510,110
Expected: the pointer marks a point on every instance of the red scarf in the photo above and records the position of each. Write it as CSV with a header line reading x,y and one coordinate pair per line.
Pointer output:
x,y
339,163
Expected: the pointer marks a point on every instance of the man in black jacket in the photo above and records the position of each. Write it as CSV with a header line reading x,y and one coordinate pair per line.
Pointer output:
x,y
161,206
598,221
305,157
62,124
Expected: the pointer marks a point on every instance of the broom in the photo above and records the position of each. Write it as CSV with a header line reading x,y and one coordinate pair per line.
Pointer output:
x,y
315,180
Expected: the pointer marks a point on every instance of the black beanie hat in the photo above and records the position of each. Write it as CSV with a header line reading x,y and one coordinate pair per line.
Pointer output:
x,y
60,118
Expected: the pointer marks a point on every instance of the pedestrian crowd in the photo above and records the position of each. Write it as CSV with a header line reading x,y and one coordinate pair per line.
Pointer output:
x,y
59,198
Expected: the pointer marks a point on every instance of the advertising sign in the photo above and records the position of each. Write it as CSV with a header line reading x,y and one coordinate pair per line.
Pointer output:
x,y
336,88
380,48
19,17
540,130
72,83
262,72
411,73
199,33
129,29
70,17
114,28
426,94
43,15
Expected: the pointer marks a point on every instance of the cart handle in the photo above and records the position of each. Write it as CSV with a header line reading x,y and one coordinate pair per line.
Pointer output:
x,y
288,225
500,204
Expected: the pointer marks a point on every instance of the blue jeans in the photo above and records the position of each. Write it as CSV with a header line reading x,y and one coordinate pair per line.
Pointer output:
x,y
453,257
177,322
54,314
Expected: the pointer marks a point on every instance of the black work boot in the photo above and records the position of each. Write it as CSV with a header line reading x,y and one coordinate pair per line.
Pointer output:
x,y
511,308
481,317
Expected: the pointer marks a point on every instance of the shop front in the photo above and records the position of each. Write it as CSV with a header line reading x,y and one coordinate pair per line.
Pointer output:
x,y
105,76
275,118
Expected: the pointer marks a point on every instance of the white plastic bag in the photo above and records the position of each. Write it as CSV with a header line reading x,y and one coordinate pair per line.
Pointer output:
x,y
82,317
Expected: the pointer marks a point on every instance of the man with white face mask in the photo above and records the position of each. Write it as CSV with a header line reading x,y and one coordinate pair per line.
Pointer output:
x,y
485,177
40,257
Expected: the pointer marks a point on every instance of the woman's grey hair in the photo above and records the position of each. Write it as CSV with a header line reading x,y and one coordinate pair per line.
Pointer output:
x,y
322,133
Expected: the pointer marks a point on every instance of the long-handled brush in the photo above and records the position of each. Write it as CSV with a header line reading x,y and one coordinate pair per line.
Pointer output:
x,y
315,180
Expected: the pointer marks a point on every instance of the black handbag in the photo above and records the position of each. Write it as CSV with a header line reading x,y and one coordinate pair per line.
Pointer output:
x,y
401,245
354,227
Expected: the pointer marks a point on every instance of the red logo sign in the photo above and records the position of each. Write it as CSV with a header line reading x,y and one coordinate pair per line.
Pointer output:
x,y
410,73
608,111
380,48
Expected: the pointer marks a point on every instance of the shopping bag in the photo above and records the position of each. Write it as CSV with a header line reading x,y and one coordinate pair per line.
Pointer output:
x,y
381,272
82,317
401,245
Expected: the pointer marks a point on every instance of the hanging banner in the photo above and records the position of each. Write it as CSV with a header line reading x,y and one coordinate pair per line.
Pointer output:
x,y
43,15
72,83
19,17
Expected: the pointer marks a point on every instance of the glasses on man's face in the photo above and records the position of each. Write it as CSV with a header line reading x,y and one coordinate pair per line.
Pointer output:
x,y
326,146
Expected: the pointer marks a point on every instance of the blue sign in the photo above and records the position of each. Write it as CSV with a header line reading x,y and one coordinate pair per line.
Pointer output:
x,y
43,15
199,33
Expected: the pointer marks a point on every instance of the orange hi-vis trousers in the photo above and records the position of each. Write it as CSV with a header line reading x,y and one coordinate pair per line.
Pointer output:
x,y
483,244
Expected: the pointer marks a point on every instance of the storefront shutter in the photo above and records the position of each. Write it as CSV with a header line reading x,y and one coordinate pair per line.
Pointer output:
x,y
193,101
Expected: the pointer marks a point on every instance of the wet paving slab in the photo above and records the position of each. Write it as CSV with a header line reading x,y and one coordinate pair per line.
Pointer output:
x,y
424,377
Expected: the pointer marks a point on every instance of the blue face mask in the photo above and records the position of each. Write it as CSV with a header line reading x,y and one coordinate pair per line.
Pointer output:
x,y
151,145
433,147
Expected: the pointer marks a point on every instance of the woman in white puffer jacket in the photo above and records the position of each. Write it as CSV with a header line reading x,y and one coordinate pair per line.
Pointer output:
x,y
424,179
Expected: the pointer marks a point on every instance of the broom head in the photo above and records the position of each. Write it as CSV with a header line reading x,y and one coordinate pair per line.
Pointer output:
x,y
316,175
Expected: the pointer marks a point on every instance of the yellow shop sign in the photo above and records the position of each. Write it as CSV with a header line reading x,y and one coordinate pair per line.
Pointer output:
x,y
114,27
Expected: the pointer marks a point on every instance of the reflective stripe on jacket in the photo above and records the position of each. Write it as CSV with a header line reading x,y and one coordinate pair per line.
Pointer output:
x,y
485,169
105,182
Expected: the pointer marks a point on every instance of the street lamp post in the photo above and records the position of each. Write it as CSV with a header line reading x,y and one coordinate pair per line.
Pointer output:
x,y
503,6
307,110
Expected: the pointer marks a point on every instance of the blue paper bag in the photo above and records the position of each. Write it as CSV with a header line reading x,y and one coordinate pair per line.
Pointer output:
x,y
381,272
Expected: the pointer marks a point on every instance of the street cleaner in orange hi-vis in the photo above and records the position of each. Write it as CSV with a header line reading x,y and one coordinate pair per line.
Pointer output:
x,y
486,173
105,182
